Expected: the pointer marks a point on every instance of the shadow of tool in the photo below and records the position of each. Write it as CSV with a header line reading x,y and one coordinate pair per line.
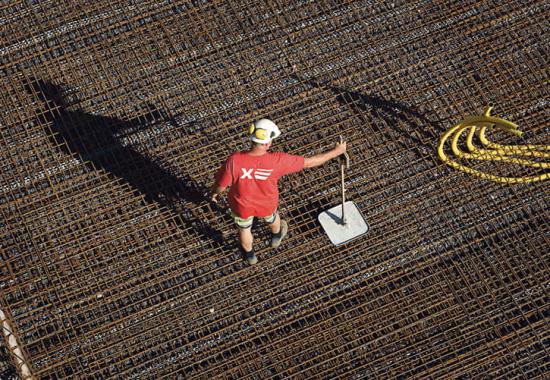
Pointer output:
x,y
406,121
334,217
95,139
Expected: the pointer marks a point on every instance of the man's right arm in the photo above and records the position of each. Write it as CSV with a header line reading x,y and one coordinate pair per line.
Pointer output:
x,y
321,158
223,179
216,192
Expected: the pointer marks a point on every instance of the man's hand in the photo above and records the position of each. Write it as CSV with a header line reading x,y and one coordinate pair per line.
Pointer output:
x,y
216,192
321,158
214,197
340,148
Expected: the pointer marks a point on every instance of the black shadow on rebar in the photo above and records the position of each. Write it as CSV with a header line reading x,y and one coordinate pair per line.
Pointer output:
x,y
7,369
395,114
95,139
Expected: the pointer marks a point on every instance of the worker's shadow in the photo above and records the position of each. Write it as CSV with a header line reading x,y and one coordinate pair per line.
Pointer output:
x,y
7,369
410,125
95,139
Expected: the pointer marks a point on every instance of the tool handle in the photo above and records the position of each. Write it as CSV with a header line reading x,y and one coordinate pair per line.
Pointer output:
x,y
344,161
344,164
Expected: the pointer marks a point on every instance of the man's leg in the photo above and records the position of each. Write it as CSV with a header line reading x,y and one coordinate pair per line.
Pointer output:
x,y
278,227
246,239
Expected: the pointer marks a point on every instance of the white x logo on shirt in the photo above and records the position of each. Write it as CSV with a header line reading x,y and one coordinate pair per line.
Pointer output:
x,y
246,173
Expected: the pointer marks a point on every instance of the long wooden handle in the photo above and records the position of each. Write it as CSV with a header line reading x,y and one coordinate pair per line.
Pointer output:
x,y
346,155
343,195
344,164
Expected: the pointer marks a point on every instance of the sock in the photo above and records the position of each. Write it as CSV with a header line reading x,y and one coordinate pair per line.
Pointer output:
x,y
247,252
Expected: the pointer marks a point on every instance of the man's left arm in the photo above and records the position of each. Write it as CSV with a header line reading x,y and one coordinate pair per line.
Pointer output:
x,y
289,163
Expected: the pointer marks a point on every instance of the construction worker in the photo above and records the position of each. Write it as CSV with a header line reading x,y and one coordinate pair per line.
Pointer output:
x,y
252,177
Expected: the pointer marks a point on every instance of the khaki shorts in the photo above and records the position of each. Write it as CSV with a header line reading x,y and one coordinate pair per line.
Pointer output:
x,y
247,223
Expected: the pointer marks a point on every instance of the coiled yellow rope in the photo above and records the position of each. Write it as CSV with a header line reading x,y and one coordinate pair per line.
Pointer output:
x,y
515,154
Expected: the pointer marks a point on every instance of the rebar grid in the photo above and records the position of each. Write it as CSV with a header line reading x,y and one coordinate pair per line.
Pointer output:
x,y
115,118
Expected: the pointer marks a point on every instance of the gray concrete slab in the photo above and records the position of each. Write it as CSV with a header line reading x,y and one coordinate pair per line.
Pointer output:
x,y
339,233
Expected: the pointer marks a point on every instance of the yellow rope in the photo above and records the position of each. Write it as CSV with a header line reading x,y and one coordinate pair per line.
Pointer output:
x,y
492,151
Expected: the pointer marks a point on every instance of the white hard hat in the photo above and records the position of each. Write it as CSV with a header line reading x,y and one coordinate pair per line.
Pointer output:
x,y
263,131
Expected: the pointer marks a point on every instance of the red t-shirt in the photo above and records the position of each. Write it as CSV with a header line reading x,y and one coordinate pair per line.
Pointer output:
x,y
253,181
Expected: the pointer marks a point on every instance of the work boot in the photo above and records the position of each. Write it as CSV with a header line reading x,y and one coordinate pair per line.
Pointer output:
x,y
278,237
249,257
